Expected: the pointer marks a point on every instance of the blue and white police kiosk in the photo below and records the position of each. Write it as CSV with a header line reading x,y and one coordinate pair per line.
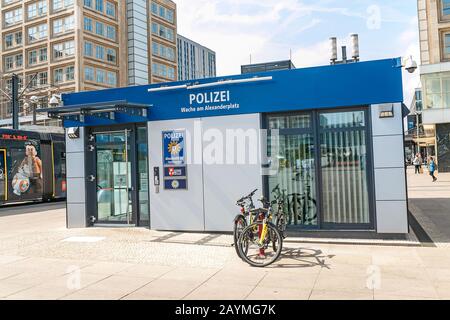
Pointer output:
x,y
177,156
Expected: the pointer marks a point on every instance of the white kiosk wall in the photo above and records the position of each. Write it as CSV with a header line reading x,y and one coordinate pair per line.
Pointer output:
x,y
389,166
214,182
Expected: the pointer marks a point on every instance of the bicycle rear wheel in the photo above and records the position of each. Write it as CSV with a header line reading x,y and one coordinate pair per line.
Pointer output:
x,y
256,254
239,225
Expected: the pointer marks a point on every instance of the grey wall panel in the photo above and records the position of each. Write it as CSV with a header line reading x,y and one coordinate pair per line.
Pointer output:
x,y
386,126
75,165
391,217
181,209
390,184
75,145
388,152
76,217
225,182
77,193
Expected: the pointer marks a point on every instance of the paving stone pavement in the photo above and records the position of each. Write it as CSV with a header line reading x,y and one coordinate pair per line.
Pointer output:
x,y
429,202
41,259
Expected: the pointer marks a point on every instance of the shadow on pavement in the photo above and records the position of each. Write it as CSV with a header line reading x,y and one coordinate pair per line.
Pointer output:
x,y
301,258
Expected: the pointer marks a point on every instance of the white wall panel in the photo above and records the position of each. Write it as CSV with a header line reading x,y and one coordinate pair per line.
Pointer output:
x,y
225,183
392,217
390,184
388,152
181,209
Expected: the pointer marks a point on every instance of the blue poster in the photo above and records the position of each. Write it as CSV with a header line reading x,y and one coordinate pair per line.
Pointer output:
x,y
173,148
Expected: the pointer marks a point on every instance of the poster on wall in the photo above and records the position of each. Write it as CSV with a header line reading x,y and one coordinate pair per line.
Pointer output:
x,y
174,160
25,171
173,145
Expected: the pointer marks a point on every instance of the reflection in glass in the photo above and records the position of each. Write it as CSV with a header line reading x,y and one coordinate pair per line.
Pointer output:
x,y
344,176
295,181
113,177
144,204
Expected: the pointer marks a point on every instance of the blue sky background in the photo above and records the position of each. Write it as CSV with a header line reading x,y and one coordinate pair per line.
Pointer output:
x,y
271,29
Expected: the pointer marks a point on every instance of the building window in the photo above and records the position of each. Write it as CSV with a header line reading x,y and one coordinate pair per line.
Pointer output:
x,y
99,5
63,25
32,57
88,51
12,17
163,32
163,51
70,73
100,52
101,76
9,63
43,78
59,75
88,3
162,12
37,33
110,9
436,91
162,70
99,28
88,24
37,9
112,79
111,55
63,50
111,33
13,40
43,54
446,7
88,74
57,5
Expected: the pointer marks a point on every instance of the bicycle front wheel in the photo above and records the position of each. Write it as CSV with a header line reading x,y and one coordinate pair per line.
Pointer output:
x,y
259,253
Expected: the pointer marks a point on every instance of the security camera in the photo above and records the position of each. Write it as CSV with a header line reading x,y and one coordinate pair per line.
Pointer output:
x,y
410,65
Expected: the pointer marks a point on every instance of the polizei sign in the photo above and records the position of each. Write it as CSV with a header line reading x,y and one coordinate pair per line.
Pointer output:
x,y
210,101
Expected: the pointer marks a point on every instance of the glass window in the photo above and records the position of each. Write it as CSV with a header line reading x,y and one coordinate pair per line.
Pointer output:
x,y
342,120
32,57
70,73
58,26
13,17
112,78
99,5
100,52
88,24
88,51
447,45
43,54
57,4
110,9
88,74
111,55
99,28
9,40
446,7
101,76
111,33
43,78
88,3
59,75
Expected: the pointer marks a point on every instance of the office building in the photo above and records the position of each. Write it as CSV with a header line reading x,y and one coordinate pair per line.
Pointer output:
x,y
194,60
434,31
60,46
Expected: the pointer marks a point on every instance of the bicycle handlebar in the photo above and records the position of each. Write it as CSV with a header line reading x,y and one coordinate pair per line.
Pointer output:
x,y
248,196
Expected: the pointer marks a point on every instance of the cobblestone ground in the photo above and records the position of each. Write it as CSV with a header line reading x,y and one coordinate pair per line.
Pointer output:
x,y
41,259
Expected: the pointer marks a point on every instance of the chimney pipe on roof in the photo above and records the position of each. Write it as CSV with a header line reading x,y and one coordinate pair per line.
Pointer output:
x,y
333,48
355,47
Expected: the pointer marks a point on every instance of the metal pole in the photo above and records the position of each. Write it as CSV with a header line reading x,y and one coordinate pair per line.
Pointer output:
x,y
34,114
15,101
418,132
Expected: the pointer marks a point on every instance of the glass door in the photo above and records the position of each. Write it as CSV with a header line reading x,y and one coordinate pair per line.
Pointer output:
x,y
3,176
114,198
295,180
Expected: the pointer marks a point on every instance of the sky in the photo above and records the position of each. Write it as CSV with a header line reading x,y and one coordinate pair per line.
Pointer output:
x,y
270,30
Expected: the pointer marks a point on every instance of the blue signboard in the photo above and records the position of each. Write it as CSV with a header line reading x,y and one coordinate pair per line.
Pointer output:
x,y
175,184
324,87
173,145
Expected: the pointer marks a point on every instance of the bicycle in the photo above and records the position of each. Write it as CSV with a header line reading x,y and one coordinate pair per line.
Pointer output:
x,y
260,243
242,220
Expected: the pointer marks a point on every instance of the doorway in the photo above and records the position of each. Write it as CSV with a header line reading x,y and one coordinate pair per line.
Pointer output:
x,y
120,171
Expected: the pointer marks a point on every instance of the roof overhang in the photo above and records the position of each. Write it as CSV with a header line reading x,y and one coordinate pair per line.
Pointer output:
x,y
105,113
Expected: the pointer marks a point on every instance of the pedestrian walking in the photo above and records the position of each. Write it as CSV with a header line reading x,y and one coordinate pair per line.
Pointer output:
x,y
417,162
432,168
